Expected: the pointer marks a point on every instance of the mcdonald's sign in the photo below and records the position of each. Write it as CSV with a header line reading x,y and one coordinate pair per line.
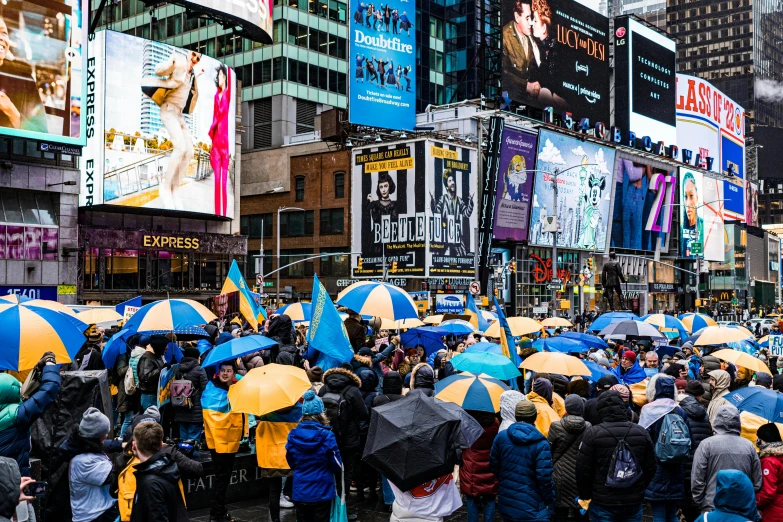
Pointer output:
x,y
723,295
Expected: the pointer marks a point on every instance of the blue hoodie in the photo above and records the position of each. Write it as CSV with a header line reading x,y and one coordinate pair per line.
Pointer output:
x,y
735,500
634,374
312,454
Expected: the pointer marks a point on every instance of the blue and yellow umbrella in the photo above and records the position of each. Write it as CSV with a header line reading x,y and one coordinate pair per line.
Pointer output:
x,y
169,315
378,299
297,311
29,331
694,322
471,392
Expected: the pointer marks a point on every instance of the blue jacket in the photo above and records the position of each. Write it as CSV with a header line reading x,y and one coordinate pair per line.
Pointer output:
x,y
521,459
16,416
312,454
634,374
735,500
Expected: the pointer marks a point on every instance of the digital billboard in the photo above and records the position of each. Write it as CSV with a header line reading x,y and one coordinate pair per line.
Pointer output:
x,y
42,62
701,216
382,54
516,164
644,197
253,17
584,182
645,81
556,54
711,124
164,131
752,204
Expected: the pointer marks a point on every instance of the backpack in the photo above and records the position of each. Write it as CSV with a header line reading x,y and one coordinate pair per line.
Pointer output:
x,y
131,380
624,469
336,408
181,391
674,440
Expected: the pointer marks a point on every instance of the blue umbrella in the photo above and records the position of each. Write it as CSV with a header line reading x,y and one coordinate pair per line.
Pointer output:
x,y
497,366
590,340
560,344
758,400
169,315
237,348
457,327
665,321
748,346
608,318
115,346
430,337
596,370
484,347
203,346
378,299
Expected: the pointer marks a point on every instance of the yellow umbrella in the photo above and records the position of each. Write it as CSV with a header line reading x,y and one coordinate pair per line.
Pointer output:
x,y
688,319
404,324
556,322
433,319
745,330
721,335
742,359
100,315
269,388
555,362
54,305
519,326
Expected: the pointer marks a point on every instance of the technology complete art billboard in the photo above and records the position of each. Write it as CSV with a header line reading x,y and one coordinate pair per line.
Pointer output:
x,y
701,216
163,136
382,55
42,62
416,203
556,54
253,16
517,162
584,181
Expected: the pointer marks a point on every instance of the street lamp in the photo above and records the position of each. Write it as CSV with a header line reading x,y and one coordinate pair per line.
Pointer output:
x,y
279,210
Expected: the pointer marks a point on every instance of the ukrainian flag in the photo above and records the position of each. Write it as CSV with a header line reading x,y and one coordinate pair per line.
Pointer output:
x,y
247,305
507,341
476,318
327,333
223,428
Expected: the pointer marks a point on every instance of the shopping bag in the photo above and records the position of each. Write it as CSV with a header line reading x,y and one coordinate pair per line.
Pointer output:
x,y
339,509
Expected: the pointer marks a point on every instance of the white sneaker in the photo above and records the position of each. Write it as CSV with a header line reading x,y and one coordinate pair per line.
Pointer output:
x,y
285,503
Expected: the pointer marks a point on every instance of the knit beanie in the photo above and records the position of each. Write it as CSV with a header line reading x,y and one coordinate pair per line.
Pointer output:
x,y
680,384
312,405
315,374
628,354
543,388
769,433
152,413
94,424
575,405
623,390
694,388
144,340
525,411
159,343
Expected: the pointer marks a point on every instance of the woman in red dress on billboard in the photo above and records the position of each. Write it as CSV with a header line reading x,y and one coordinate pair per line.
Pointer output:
x,y
219,156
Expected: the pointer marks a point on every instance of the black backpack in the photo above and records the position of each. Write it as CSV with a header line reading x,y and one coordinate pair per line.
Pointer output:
x,y
337,410
624,469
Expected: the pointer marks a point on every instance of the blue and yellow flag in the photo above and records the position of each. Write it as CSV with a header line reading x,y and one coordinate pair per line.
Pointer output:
x,y
507,341
327,333
164,385
476,319
235,282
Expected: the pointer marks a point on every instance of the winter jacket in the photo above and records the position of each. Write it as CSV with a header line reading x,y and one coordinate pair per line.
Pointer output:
x,y
722,383
734,499
374,362
597,448
423,378
546,414
630,376
357,332
368,387
701,428
10,479
392,390
770,496
313,454
475,477
565,436
272,432
223,428
158,494
724,450
190,370
16,416
249,362
149,366
345,383
522,462
508,404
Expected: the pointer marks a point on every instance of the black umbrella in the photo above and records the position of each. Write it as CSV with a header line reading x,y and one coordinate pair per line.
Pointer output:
x,y
412,441
631,329
469,428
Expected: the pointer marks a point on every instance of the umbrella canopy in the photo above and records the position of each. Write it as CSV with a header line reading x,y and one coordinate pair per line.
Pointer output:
x,y
433,319
484,347
430,337
758,401
297,311
471,392
378,299
489,316
469,428
100,315
412,440
237,348
53,305
612,317
764,342
493,365
560,344
115,346
741,359
457,326
695,322
169,315
555,362
632,329
519,326
269,388
556,322
29,331
713,335
404,324
666,321
14,298
590,340
596,370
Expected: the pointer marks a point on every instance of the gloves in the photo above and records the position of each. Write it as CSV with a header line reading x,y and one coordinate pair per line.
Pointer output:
x,y
48,357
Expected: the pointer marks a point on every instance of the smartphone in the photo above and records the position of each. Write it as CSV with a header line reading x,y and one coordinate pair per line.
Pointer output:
x,y
35,489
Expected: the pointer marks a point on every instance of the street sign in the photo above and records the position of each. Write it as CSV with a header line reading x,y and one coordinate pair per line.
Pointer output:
x,y
260,280
553,286
734,301
540,310
475,288
697,248
557,281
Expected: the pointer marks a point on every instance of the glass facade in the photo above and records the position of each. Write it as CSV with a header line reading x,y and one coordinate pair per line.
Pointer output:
x,y
29,225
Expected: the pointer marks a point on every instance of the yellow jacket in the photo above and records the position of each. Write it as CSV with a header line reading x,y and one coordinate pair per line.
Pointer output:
x,y
126,489
546,415
223,428
272,435
558,404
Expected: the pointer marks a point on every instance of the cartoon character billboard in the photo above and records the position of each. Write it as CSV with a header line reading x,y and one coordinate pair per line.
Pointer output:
x,y
515,184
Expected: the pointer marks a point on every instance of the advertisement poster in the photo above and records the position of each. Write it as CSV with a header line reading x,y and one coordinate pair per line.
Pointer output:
x,y
645,81
714,236
43,56
515,184
643,204
556,54
166,139
584,181
752,204
389,199
382,55
449,304
254,17
711,124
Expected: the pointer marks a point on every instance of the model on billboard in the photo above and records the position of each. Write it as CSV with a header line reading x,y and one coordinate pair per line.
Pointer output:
x,y
611,277
20,103
543,51
452,209
694,224
383,206
219,156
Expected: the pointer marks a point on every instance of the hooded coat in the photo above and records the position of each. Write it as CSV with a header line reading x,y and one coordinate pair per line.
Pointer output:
x,y
347,385
475,477
597,449
190,370
423,378
392,390
508,404
724,450
700,426
546,414
522,461
158,496
722,383
770,496
313,455
565,436
734,500
149,367
369,385
591,406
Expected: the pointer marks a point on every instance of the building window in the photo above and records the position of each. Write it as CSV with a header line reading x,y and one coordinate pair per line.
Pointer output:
x,y
295,224
303,269
336,266
28,225
299,186
251,225
339,185
332,221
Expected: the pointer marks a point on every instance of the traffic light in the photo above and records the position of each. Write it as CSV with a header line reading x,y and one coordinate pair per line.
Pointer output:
x,y
496,293
590,263
394,266
359,264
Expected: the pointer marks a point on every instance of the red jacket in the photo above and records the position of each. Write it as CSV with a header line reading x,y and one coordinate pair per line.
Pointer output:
x,y
475,477
770,496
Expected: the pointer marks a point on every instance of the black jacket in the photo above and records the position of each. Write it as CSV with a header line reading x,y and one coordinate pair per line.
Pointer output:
x,y
339,380
565,436
700,427
612,274
190,370
149,369
597,449
392,390
158,497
